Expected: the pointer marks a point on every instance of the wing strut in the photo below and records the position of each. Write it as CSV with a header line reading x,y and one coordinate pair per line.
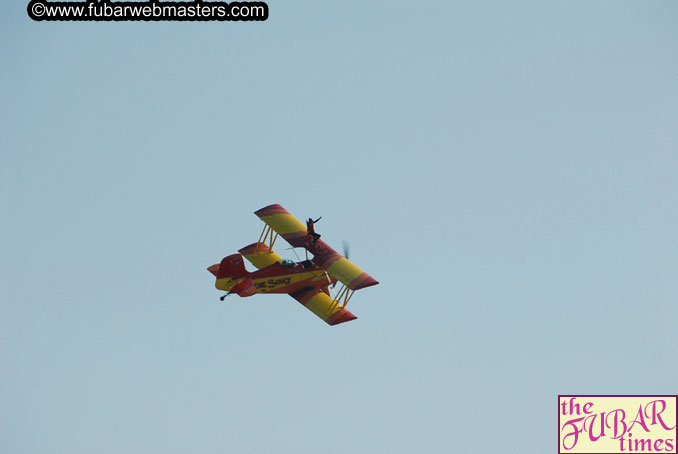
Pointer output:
x,y
267,236
343,296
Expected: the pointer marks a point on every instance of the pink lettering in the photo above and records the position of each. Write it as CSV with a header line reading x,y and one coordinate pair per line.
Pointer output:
x,y
618,418
656,415
574,433
639,420
592,419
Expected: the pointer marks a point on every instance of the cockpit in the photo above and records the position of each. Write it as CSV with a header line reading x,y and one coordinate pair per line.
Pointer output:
x,y
287,263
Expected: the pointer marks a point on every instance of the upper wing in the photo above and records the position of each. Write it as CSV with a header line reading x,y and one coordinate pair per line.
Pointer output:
x,y
323,306
344,271
336,265
286,225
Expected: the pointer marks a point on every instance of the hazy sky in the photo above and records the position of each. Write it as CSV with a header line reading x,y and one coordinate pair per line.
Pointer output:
x,y
508,171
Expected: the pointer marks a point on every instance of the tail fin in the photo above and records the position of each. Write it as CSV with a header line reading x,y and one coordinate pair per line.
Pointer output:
x,y
232,266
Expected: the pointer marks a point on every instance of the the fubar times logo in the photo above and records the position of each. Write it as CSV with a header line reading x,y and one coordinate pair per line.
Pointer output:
x,y
601,424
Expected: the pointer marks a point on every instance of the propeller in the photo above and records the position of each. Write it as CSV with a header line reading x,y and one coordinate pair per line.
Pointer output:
x,y
347,248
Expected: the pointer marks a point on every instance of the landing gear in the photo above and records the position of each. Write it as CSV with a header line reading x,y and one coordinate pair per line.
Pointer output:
x,y
221,298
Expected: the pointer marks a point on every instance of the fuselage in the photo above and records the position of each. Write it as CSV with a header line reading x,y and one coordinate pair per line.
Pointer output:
x,y
279,278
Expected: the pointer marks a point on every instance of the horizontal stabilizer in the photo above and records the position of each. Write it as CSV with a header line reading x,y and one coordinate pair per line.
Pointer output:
x,y
244,288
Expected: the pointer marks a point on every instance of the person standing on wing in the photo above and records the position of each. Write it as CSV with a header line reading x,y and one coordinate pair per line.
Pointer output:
x,y
311,230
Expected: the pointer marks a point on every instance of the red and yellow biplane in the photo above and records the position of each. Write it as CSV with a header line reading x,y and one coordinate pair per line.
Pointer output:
x,y
307,281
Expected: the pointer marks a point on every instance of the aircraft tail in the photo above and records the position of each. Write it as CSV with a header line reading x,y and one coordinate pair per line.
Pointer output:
x,y
232,276
244,288
231,266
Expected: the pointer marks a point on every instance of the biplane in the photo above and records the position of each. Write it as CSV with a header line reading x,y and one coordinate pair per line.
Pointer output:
x,y
307,281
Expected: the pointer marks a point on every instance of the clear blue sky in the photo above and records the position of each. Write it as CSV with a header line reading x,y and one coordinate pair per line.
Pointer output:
x,y
508,171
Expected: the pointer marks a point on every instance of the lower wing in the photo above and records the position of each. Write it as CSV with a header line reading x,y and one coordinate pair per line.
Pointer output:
x,y
323,306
